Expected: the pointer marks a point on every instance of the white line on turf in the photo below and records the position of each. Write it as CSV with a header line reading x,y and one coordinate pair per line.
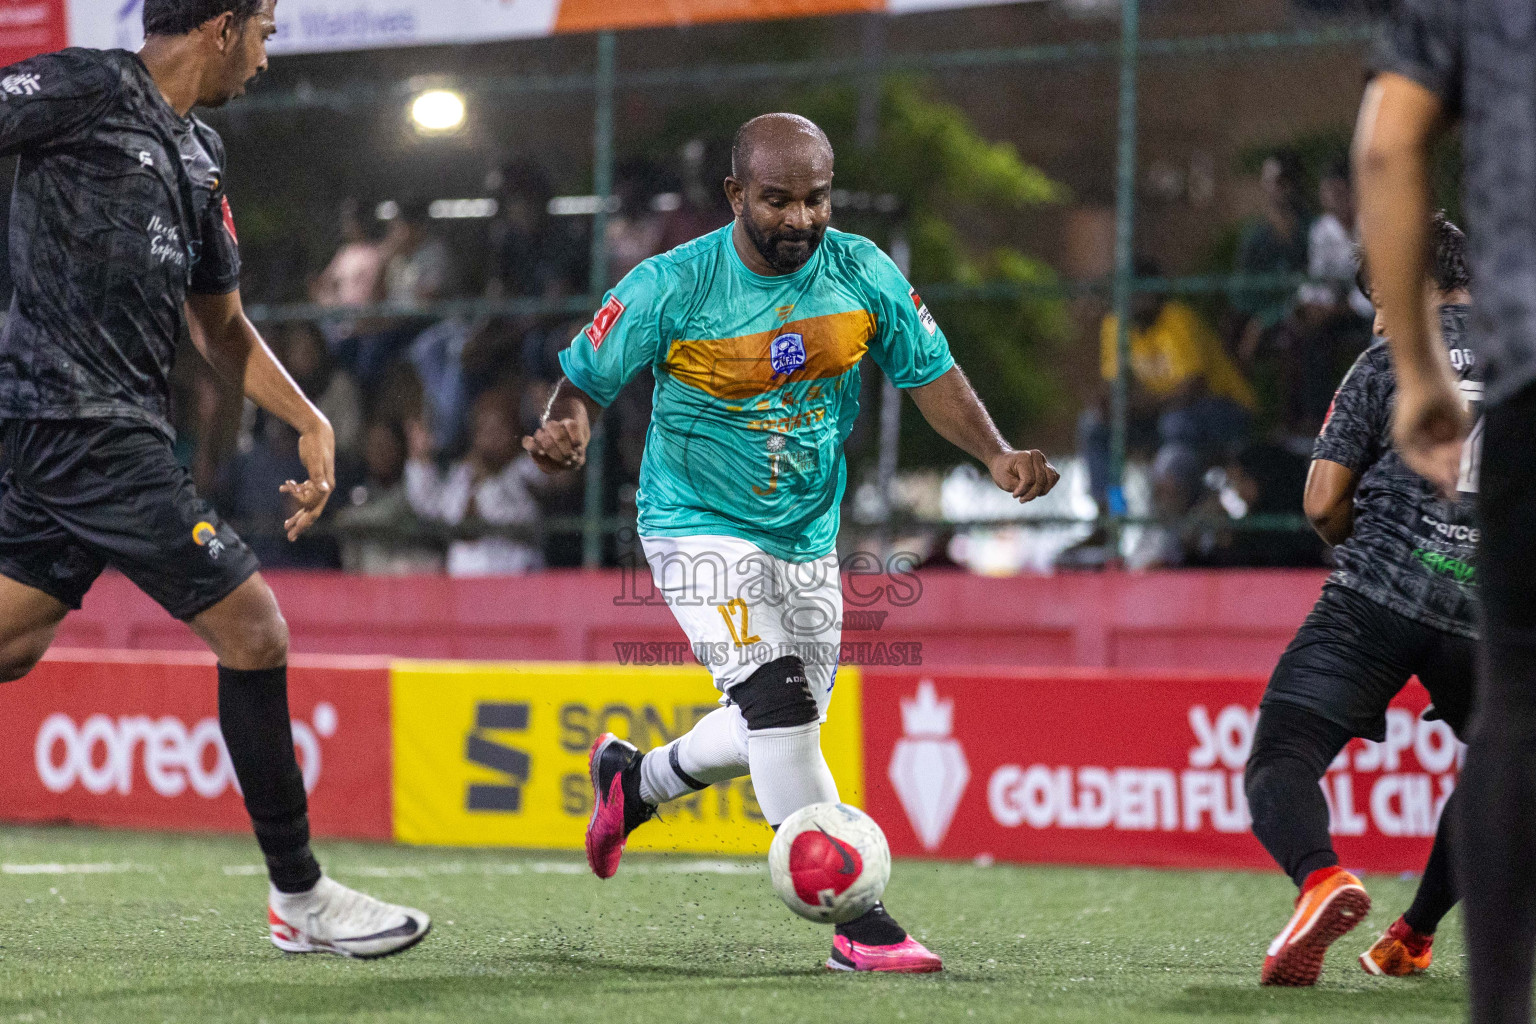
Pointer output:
x,y
537,867
70,869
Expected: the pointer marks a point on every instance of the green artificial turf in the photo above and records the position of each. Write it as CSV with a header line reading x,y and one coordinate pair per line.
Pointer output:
x,y
134,928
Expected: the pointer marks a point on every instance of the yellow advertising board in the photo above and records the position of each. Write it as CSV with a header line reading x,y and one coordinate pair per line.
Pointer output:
x,y
495,754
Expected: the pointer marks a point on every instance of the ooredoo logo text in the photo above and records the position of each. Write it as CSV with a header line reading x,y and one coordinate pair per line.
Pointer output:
x,y
104,754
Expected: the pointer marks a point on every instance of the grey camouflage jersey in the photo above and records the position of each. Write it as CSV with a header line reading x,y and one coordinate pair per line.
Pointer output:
x,y
118,212
1411,550
1479,57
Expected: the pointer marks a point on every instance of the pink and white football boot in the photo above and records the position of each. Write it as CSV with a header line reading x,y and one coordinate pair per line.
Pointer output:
x,y
617,810
905,957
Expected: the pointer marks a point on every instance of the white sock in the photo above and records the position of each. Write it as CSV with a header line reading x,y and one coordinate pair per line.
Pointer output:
x,y
788,771
712,751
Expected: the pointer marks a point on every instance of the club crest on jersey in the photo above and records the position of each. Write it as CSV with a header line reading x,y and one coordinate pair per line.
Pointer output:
x,y
786,353
928,322
601,324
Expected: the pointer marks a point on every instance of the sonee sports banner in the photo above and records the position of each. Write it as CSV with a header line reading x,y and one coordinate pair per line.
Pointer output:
x,y
1049,766
1097,768
315,26
496,755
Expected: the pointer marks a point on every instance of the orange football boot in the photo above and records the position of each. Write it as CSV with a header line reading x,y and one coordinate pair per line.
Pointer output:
x,y
1331,903
1399,953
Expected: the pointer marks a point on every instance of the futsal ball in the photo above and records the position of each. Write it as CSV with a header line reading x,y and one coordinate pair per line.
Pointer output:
x,y
829,863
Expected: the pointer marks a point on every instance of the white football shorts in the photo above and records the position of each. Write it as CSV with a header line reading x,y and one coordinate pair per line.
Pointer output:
x,y
742,608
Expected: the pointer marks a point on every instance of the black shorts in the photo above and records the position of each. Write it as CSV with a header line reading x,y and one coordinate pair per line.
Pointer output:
x,y
1352,656
80,495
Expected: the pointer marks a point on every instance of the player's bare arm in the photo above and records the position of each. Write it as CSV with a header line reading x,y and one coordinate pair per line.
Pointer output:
x,y
952,407
235,349
1329,500
1399,122
560,443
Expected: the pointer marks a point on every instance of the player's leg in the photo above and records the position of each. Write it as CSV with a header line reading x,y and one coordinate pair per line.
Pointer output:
x,y
731,600
1333,683
1498,781
44,572
28,620
116,489
309,912
1292,748
1406,947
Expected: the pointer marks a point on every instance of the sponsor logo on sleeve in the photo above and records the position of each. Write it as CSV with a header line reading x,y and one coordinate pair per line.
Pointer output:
x,y
22,84
928,322
597,330
229,220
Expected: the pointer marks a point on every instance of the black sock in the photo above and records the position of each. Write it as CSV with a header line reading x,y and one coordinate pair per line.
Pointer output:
x,y
253,715
1437,889
636,811
874,928
1292,749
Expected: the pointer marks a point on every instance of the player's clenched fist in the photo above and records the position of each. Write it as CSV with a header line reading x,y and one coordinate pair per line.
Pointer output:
x,y
1025,475
559,445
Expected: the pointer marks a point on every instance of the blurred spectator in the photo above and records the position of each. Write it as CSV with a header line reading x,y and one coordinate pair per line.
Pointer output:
x,y
698,210
1262,480
354,277
634,232
1331,241
247,494
301,348
377,521
1331,321
437,355
491,486
1183,382
1275,243
417,265
532,253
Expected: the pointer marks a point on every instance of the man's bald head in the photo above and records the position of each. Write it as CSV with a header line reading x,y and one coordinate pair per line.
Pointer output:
x,y
785,141
780,189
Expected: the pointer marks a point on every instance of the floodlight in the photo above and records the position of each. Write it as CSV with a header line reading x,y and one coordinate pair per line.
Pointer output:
x,y
437,111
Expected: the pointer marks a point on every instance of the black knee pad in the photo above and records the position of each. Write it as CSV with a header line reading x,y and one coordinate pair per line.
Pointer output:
x,y
777,696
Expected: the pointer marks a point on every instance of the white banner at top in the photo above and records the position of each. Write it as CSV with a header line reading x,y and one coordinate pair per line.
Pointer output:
x,y
315,26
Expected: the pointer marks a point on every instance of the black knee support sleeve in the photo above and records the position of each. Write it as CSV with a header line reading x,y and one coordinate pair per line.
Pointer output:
x,y
1292,748
777,696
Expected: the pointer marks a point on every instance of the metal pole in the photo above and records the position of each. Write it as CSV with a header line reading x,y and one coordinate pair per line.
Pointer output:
x,y
872,51
602,187
1125,225
890,415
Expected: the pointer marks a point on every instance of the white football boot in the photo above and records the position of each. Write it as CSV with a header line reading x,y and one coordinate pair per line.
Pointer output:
x,y
331,918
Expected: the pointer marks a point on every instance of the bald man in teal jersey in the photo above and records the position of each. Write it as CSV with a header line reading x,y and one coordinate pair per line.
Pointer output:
x,y
755,333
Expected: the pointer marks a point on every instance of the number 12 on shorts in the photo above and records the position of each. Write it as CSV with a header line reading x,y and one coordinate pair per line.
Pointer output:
x,y
728,611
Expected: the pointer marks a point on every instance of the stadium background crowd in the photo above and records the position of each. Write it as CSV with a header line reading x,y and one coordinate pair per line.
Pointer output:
x,y
1228,387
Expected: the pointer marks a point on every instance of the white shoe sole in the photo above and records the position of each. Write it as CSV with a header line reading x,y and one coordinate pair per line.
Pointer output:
x,y
304,944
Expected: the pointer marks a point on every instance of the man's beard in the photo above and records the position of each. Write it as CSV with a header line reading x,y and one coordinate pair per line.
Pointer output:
x,y
779,249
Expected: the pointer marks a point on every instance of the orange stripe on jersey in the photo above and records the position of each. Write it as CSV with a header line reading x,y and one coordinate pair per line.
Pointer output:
x,y
739,368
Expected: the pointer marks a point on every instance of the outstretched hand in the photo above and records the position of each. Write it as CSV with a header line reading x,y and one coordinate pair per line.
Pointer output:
x,y
317,450
1025,475
559,445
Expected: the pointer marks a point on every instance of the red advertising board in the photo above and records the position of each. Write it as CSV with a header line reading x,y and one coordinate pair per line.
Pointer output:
x,y
1092,767
125,739
27,28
